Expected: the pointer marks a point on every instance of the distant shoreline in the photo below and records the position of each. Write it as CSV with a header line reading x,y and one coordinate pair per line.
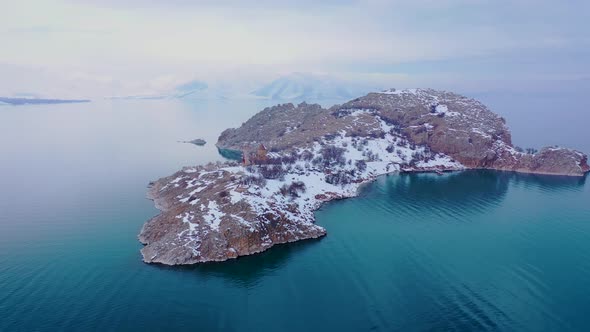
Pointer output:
x,y
36,101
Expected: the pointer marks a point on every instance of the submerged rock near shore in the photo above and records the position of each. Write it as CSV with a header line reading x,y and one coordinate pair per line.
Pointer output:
x,y
297,157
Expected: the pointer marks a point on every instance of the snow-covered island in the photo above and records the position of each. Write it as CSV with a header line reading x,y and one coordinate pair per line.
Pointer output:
x,y
294,158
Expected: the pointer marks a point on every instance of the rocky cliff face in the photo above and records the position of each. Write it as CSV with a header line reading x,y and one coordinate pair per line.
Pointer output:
x,y
204,218
447,123
221,211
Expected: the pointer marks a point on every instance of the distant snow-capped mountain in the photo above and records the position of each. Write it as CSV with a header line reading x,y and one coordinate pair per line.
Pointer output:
x,y
189,90
292,87
299,86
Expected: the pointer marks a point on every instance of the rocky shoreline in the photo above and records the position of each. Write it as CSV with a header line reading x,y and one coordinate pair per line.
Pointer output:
x,y
295,158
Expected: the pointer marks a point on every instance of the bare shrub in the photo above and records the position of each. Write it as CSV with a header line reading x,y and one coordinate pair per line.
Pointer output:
x,y
361,165
256,180
306,155
293,190
333,155
340,178
272,171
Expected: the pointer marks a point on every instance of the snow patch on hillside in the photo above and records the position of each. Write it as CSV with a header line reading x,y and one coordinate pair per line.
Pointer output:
x,y
362,160
444,110
399,91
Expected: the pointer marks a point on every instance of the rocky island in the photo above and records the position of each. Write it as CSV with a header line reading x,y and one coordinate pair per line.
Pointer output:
x,y
196,141
294,158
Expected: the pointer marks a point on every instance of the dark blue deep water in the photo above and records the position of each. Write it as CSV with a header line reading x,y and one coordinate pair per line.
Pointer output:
x,y
468,251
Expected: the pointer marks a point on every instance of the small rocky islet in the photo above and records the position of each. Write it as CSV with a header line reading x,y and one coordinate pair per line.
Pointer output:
x,y
296,157
196,141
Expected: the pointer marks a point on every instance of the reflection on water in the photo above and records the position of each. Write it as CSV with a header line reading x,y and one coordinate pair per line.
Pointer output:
x,y
473,250
475,190
550,183
468,191
248,271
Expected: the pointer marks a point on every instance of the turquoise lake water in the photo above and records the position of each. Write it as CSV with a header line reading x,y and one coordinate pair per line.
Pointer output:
x,y
467,251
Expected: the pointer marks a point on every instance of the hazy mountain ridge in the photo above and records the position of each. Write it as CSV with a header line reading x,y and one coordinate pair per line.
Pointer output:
x,y
191,89
300,86
295,87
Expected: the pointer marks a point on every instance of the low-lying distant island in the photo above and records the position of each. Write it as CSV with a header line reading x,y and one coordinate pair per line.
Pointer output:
x,y
38,101
294,158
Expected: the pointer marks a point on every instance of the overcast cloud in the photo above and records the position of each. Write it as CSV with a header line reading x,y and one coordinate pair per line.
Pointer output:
x,y
88,48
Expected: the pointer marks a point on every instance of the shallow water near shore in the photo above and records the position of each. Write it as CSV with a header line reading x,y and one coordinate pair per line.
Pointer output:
x,y
474,250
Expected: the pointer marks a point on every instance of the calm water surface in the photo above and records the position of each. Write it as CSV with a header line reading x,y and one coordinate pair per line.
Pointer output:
x,y
460,252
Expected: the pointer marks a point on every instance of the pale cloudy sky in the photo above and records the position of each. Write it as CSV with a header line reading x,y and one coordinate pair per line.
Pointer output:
x,y
97,48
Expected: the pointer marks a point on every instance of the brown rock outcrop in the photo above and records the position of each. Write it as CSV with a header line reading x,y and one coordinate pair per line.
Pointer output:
x,y
447,123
